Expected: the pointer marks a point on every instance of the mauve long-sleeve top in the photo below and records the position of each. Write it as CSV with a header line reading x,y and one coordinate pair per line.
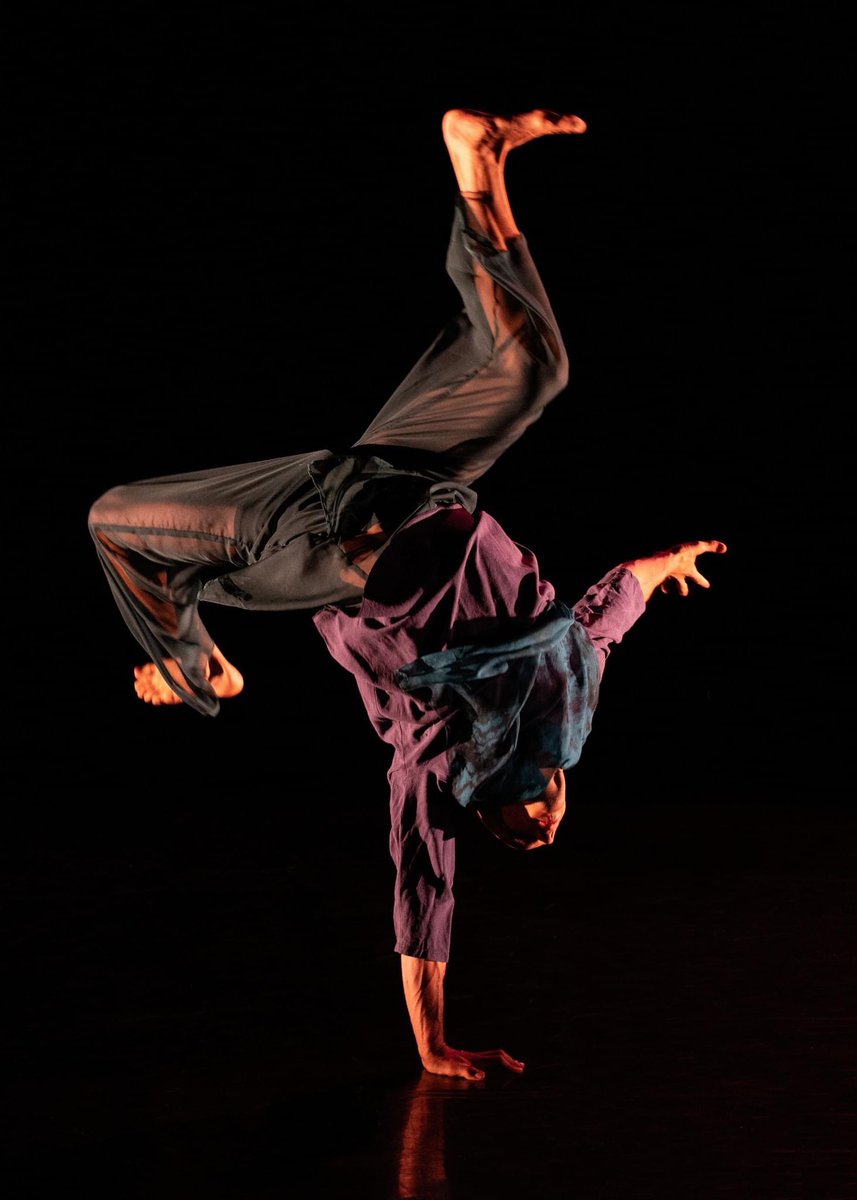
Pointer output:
x,y
448,578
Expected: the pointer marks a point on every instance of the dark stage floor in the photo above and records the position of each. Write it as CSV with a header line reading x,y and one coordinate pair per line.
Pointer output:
x,y
201,1015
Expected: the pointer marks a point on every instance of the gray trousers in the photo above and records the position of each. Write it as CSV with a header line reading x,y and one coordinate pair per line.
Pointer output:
x,y
267,535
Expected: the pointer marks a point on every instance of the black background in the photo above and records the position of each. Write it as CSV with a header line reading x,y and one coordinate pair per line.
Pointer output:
x,y
237,227
233,233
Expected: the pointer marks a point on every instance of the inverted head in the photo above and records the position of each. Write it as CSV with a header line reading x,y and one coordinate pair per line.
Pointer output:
x,y
529,824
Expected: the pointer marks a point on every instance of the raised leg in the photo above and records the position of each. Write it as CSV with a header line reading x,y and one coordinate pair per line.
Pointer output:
x,y
494,367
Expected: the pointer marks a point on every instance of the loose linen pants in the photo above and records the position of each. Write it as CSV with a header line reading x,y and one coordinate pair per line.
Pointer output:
x,y
267,535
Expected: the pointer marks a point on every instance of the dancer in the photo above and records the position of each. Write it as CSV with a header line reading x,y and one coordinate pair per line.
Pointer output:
x,y
480,678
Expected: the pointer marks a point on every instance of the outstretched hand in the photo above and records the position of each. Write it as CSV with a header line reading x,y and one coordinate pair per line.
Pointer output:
x,y
678,564
464,1064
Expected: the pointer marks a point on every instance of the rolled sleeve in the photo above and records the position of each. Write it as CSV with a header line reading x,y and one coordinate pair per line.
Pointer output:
x,y
609,609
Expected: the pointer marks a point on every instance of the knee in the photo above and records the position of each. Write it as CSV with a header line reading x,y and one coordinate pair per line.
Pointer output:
x,y
560,370
544,363
550,375
557,361
109,508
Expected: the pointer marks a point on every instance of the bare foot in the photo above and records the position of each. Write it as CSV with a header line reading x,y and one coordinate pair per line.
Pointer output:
x,y
490,131
678,563
478,144
465,130
150,685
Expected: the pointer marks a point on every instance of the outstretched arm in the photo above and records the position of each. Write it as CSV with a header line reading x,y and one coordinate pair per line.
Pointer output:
x,y
423,983
678,563
614,604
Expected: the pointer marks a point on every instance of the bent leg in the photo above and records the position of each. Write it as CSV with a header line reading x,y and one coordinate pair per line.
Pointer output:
x,y
156,553
161,541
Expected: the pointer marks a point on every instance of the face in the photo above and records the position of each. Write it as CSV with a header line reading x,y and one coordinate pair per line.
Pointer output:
x,y
534,824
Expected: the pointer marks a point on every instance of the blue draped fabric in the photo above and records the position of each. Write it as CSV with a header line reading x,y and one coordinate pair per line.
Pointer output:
x,y
525,703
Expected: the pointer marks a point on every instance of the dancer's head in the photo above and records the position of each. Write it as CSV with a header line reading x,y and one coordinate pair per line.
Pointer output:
x,y
530,824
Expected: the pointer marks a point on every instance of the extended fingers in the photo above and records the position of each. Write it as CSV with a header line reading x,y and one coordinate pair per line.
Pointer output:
x,y
682,577
693,571
701,548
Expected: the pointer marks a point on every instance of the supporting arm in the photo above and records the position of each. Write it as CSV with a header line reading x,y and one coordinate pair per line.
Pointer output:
x,y
423,981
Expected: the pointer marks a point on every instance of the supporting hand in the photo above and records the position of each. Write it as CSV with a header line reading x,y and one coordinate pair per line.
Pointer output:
x,y
464,1064
423,981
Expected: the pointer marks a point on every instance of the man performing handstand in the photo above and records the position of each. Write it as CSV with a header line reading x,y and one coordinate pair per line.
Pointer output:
x,y
482,680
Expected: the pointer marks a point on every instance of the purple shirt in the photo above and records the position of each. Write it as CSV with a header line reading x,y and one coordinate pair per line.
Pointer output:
x,y
447,578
